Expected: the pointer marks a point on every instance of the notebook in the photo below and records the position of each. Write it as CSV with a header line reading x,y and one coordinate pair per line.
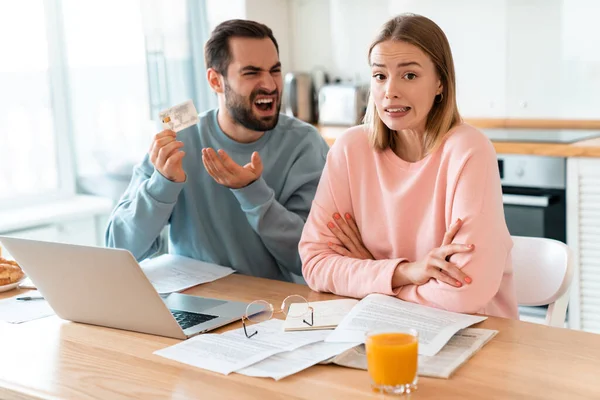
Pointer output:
x,y
327,315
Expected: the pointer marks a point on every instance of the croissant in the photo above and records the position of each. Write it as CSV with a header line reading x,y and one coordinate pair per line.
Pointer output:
x,y
10,272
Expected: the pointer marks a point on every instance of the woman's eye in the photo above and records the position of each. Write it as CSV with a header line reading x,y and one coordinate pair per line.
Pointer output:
x,y
379,77
410,76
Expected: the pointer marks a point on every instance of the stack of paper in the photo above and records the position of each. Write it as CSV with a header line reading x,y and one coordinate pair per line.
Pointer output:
x,y
170,273
455,353
232,351
285,364
376,311
276,354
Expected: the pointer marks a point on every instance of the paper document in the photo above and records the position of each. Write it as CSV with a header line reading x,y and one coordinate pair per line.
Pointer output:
x,y
179,117
232,351
456,352
290,362
17,311
377,311
327,315
27,284
170,273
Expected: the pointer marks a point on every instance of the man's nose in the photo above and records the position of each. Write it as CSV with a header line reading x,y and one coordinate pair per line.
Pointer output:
x,y
268,83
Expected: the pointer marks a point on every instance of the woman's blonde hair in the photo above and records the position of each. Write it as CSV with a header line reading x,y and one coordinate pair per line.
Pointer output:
x,y
426,35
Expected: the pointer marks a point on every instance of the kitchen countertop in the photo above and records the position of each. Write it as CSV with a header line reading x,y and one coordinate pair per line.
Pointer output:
x,y
584,148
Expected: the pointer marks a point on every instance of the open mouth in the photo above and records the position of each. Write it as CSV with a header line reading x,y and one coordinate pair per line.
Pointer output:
x,y
397,110
265,104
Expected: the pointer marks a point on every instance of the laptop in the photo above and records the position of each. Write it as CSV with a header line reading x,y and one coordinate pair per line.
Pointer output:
x,y
107,287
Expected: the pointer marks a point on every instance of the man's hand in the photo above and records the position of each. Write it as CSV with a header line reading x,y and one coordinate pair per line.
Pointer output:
x,y
166,156
227,172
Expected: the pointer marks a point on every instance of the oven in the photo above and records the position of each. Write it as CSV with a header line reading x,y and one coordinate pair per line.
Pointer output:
x,y
534,197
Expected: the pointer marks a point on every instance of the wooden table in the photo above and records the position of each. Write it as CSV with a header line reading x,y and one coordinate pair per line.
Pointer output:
x,y
52,358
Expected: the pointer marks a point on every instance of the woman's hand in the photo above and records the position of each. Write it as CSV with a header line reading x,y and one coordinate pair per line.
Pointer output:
x,y
435,265
346,230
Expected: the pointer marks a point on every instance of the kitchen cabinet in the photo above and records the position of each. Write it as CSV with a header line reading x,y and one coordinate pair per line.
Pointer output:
x,y
553,66
477,32
583,236
518,59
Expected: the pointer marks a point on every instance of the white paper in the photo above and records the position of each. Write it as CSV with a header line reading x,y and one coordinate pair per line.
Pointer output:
x,y
27,284
376,311
17,311
179,117
290,362
327,314
170,273
232,351
456,352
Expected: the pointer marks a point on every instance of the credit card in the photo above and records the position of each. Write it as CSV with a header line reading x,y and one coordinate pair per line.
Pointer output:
x,y
179,117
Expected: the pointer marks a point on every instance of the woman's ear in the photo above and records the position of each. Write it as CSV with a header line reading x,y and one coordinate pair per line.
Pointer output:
x,y
214,80
440,88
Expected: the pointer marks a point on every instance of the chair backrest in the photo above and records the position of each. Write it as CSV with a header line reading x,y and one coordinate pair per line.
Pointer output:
x,y
543,271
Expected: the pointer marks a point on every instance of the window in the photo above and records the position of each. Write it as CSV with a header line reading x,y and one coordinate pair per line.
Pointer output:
x,y
28,152
82,86
108,84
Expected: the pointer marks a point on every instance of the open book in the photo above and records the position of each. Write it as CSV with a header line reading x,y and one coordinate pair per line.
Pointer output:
x,y
455,353
327,315
376,311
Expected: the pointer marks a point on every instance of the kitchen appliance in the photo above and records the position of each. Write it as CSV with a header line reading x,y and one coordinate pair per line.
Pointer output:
x,y
343,104
299,96
534,197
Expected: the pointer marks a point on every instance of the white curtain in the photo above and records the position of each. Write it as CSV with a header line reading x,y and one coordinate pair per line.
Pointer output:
x,y
175,32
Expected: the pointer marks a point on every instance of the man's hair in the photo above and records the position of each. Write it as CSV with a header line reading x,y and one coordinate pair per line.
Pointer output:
x,y
216,50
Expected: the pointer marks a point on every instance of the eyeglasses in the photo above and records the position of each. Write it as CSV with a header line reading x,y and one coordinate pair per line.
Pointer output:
x,y
294,306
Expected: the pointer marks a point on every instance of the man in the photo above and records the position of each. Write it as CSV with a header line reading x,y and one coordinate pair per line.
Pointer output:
x,y
237,188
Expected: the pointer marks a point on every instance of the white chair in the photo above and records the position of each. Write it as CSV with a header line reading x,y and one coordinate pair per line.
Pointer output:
x,y
543,269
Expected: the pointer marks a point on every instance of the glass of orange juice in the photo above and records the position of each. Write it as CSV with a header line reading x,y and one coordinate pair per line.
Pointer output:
x,y
392,360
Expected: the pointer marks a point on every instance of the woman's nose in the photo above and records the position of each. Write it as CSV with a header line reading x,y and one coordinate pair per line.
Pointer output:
x,y
391,91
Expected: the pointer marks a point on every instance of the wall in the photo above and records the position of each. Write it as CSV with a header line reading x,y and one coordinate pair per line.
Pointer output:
x,y
514,58
273,13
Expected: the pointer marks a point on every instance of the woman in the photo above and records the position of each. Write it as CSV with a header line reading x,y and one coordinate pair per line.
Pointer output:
x,y
422,186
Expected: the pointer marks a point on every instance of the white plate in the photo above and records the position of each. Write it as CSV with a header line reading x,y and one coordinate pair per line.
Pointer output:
x,y
11,286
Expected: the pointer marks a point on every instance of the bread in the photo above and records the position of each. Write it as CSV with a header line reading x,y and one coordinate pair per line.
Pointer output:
x,y
10,272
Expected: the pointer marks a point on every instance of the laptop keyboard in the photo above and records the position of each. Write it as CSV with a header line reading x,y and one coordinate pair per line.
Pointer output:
x,y
187,319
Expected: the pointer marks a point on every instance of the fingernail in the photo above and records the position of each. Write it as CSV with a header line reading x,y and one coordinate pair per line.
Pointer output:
x,y
470,246
458,284
458,220
337,216
468,280
330,225
348,216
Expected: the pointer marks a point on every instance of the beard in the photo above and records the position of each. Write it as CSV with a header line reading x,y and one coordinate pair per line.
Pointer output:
x,y
241,110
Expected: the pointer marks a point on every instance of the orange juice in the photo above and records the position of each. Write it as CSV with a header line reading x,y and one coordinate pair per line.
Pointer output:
x,y
392,358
